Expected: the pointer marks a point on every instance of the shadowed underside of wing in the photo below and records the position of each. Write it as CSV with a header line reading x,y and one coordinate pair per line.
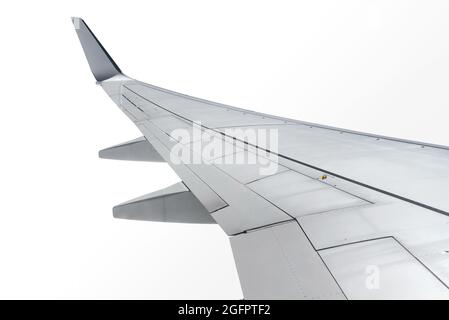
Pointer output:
x,y
343,215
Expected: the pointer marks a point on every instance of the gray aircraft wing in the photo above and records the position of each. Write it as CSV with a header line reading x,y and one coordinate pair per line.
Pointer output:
x,y
318,213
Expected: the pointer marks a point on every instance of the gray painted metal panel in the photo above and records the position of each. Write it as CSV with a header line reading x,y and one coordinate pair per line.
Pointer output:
x,y
278,262
210,200
299,195
386,165
430,244
248,209
423,232
170,123
135,150
338,227
382,269
199,111
341,184
172,204
248,172
237,219
212,147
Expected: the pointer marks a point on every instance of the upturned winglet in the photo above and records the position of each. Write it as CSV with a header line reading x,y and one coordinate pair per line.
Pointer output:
x,y
101,64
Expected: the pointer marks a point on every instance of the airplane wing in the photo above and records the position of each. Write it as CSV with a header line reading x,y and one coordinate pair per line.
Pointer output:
x,y
312,212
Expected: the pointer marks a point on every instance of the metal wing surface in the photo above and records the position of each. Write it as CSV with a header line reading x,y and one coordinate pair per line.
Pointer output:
x,y
312,212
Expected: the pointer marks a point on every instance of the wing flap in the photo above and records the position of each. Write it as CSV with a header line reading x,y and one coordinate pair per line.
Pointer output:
x,y
278,262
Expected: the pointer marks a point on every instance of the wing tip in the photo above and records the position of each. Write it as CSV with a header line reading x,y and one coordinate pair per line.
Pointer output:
x,y
76,22
101,63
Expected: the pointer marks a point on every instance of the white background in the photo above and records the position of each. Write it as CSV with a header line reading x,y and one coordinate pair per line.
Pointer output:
x,y
374,66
